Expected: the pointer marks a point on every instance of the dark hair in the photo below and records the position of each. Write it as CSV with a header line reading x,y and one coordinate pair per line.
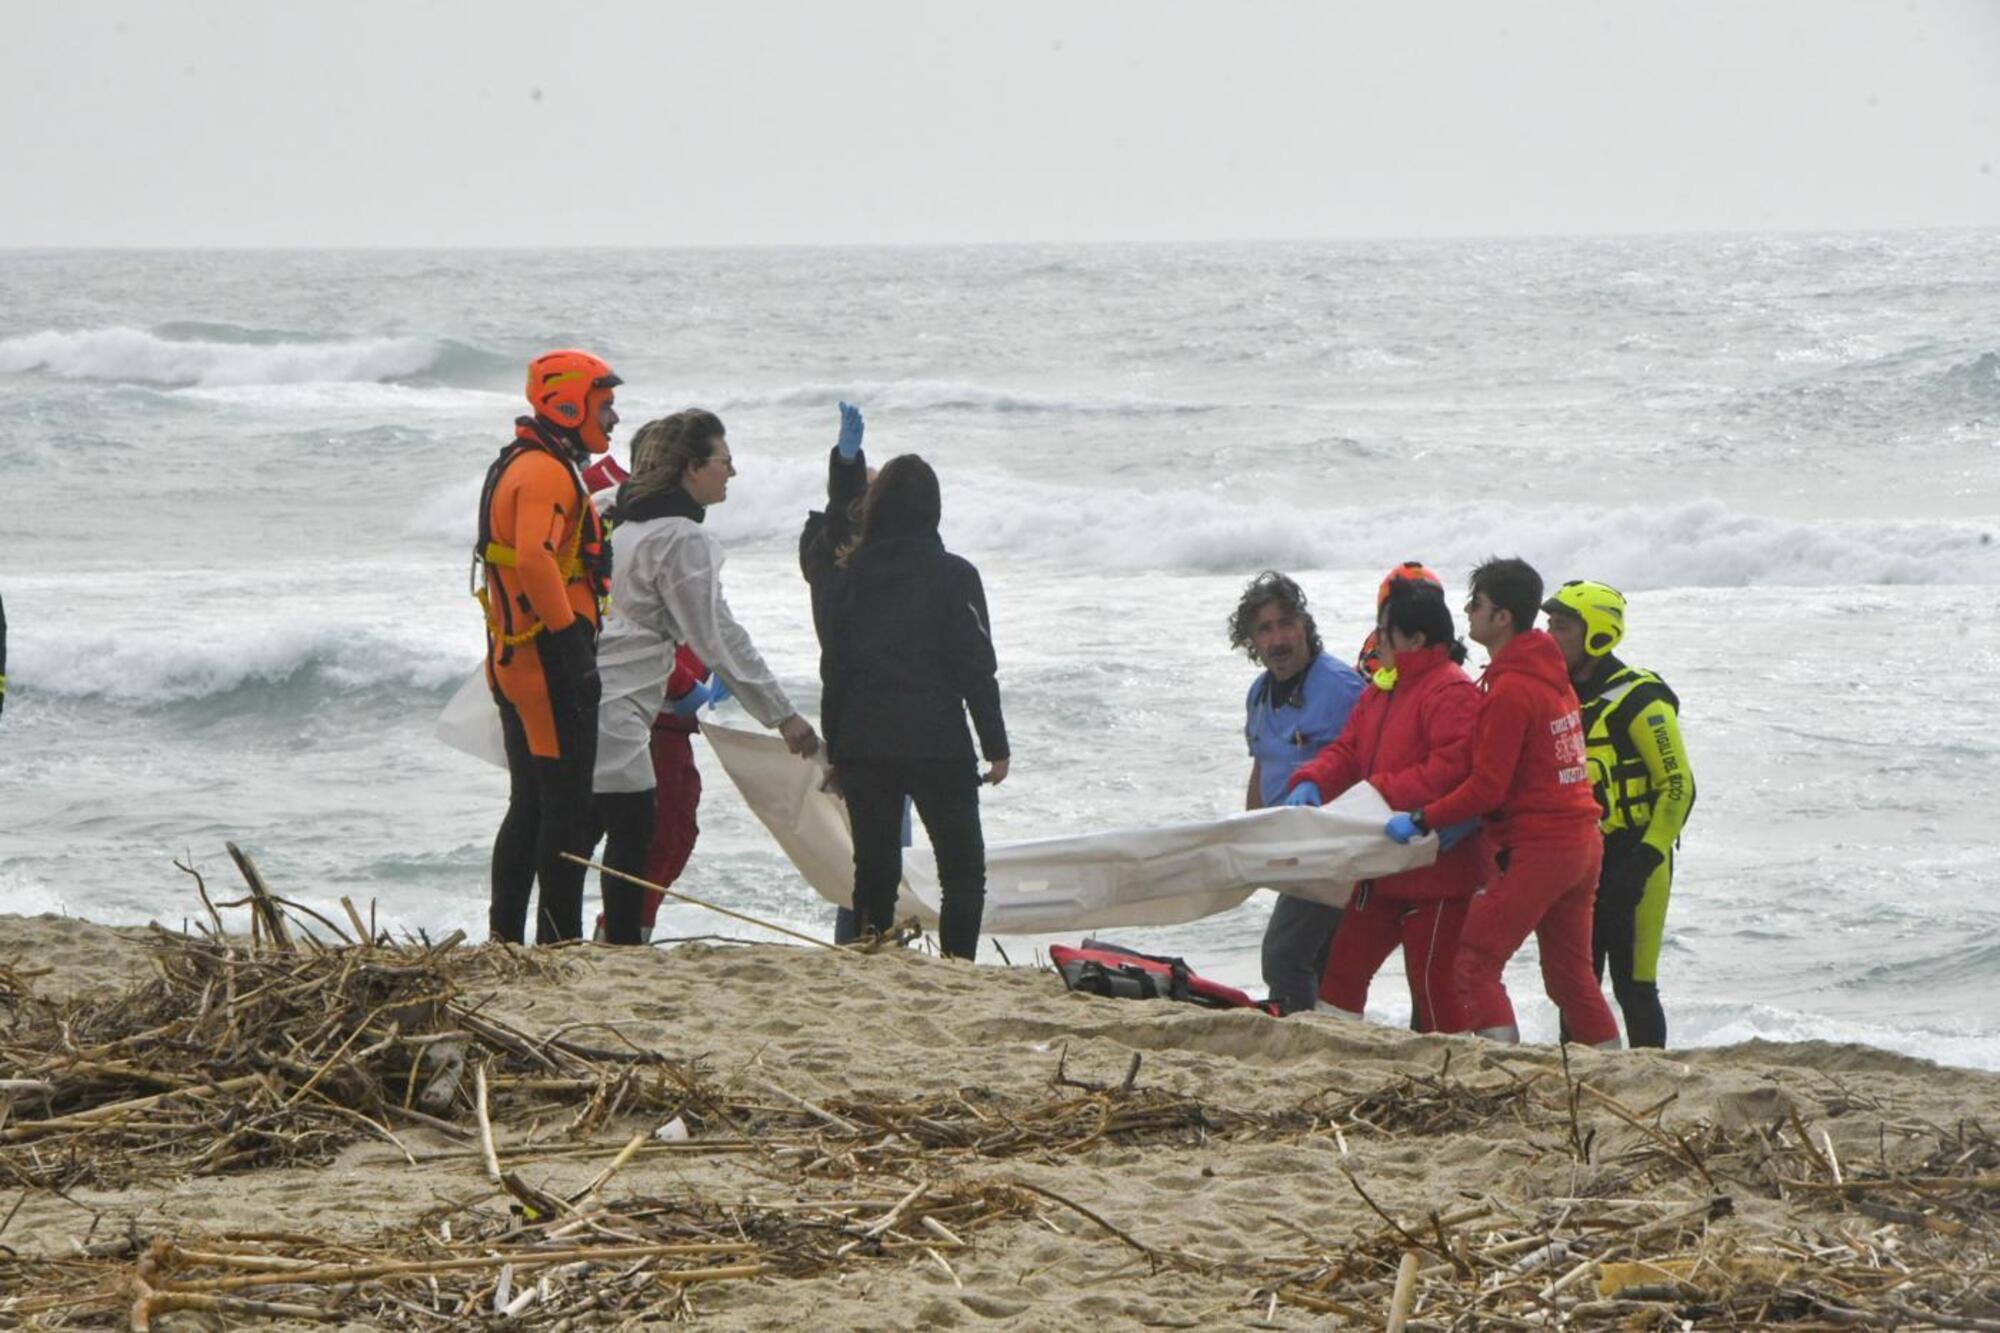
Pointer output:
x,y
664,450
1267,589
1512,585
1420,609
902,501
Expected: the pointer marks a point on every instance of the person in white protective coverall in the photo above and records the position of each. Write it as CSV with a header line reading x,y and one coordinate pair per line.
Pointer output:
x,y
666,590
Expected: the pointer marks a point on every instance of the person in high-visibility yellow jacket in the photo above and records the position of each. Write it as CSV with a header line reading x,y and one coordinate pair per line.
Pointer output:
x,y
1645,789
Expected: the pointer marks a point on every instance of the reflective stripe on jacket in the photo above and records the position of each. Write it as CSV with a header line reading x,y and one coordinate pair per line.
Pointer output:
x,y
1639,768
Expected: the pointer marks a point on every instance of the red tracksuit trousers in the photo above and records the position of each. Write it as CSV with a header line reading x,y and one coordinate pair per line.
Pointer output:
x,y
1428,931
1548,889
676,798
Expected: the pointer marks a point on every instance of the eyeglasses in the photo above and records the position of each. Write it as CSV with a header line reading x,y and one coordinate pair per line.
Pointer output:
x,y
726,460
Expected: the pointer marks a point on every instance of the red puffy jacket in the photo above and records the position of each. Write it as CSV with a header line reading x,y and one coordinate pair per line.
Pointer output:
x,y
1529,776
1412,743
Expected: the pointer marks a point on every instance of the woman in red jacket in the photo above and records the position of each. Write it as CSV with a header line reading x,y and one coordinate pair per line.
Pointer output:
x,y
1410,737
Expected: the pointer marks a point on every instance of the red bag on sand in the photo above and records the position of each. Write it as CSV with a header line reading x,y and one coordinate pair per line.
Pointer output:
x,y
1101,968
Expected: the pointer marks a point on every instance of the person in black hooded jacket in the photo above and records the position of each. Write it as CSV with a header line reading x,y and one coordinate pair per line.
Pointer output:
x,y
906,651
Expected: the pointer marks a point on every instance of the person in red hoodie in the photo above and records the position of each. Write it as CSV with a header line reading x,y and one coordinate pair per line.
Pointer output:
x,y
1410,737
1531,784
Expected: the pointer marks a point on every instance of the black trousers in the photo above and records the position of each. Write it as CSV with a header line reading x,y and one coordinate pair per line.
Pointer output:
x,y
548,813
624,819
946,793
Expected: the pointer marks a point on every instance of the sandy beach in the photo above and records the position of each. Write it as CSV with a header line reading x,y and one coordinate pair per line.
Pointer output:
x,y
1300,1118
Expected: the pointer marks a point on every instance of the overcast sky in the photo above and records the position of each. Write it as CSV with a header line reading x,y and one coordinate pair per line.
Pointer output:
x,y
493,122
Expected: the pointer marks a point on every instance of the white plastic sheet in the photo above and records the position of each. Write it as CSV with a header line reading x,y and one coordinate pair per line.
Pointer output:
x,y
470,723
1130,877
1094,881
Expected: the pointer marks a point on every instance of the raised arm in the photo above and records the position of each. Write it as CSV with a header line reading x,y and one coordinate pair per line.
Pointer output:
x,y
825,533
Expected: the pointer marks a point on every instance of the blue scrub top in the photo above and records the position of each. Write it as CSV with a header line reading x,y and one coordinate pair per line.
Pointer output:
x,y
1280,739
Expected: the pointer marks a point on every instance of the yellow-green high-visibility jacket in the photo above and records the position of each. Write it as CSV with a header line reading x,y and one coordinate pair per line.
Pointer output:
x,y
1638,764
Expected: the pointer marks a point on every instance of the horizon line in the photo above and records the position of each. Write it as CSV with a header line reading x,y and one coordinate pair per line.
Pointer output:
x,y
995,244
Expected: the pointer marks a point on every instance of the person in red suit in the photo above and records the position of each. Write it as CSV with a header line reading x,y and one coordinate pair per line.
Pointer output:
x,y
1530,784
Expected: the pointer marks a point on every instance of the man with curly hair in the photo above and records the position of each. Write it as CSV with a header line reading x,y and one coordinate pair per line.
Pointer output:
x,y
1297,704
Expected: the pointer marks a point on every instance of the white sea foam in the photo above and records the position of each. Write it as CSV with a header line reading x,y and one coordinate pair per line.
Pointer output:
x,y
939,395
165,665
23,895
359,398
1708,1024
1700,543
135,356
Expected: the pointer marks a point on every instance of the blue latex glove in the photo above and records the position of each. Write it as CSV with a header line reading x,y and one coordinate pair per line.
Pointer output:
x,y
1306,793
1457,833
1402,828
702,692
851,426
718,691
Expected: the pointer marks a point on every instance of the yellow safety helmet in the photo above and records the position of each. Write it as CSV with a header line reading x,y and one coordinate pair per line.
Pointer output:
x,y
1599,606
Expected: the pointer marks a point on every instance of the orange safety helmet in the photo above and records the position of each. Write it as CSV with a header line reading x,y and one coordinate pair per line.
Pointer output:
x,y
568,388
1411,571
1369,661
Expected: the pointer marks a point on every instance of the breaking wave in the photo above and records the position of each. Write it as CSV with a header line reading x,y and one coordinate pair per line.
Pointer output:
x,y
188,354
1701,543
251,662
953,395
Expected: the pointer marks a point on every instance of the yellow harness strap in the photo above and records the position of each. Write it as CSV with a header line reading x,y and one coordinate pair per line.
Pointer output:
x,y
569,561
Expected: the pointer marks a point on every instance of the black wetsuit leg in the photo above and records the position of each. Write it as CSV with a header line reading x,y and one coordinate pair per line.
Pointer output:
x,y
514,848
548,813
1613,933
567,822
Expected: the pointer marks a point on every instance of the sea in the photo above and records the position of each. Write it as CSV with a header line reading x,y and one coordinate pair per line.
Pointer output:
x,y
237,495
